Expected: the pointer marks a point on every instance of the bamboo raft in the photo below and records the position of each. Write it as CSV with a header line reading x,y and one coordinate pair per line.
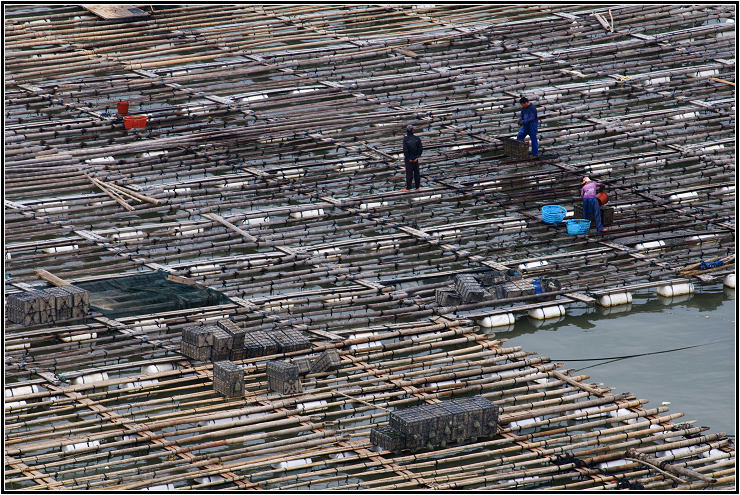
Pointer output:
x,y
270,170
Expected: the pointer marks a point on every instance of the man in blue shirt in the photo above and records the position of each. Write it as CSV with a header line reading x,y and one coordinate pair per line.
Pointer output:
x,y
528,121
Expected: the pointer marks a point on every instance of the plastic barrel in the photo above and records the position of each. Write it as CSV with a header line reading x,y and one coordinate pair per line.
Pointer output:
x,y
122,107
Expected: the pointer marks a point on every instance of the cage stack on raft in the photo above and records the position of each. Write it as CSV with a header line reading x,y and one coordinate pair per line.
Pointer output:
x,y
48,305
265,186
431,425
228,379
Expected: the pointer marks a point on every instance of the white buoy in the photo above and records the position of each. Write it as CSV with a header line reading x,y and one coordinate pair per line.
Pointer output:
x,y
425,198
138,234
361,345
342,455
679,289
524,424
500,320
678,452
14,404
91,378
308,213
78,446
729,281
17,347
79,337
205,269
616,299
592,412
547,312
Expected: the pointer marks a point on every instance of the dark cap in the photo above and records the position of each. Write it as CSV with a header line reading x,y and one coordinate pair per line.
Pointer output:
x,y
410,128
523,99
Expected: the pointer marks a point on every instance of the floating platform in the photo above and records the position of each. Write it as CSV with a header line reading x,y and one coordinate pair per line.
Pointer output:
x,y
269,171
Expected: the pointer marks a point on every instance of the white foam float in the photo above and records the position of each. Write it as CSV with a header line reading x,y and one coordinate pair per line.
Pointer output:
x,y
591,412
706,73
178,190
235,184
678,289
329,253
500,320
685,116
704,238
729,281
342,455
388,244
369,206
257,97
615,299
14,404
547,312
656,80
525,424
151,369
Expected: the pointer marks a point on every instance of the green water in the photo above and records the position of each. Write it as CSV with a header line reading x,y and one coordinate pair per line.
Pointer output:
x,y
699,381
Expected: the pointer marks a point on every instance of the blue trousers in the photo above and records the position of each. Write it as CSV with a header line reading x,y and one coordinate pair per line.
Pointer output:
x,y
531,130
592,209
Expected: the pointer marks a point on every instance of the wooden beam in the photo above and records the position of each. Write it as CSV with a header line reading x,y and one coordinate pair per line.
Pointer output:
x,y
52,279
115,12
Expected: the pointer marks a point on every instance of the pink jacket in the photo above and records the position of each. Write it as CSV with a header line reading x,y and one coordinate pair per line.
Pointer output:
x,y
589,189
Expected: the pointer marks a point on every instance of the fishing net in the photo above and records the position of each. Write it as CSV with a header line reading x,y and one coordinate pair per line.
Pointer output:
x,y
148,293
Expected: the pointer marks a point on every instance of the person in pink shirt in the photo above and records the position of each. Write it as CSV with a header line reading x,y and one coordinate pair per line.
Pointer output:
x,y
591,206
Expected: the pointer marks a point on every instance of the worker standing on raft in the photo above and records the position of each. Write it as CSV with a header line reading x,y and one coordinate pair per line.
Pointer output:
x,y
591,206
411,152
528,121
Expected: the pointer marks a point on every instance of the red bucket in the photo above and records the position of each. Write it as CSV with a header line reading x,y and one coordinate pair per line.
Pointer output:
x,y
122,107
134,122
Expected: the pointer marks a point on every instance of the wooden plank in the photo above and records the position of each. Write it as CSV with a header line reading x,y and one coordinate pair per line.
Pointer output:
x,y
577,296
52,279
230,226
115,12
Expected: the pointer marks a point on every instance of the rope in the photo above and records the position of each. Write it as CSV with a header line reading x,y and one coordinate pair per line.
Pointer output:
x,y
616,358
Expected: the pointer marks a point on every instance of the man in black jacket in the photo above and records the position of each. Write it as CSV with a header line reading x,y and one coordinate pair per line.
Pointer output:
x,y
411,153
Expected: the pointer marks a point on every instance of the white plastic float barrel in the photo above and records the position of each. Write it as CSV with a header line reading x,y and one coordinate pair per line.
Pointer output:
x,y
368,206
686,197
292,463
547,312
168,486
17,347
79,337
214,478
150,369
729,281
524,424
342,455
81,445
61,249
424,198
23,390
91,378
678,289
615,299
650,246
621,412
500,320
256,221
533,266
312,405
361,345
308,213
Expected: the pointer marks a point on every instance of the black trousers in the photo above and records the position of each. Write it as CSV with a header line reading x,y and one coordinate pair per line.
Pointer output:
x,y
412,171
